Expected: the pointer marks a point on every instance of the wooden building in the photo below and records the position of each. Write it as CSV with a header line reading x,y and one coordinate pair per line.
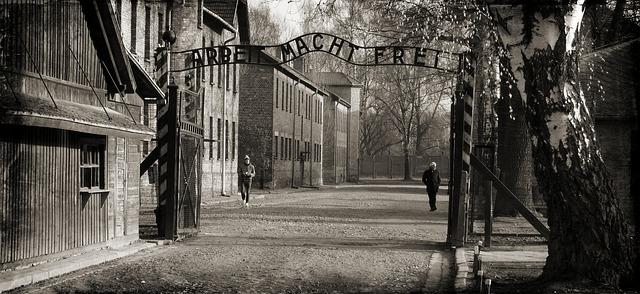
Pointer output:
x,y
281,125
71,131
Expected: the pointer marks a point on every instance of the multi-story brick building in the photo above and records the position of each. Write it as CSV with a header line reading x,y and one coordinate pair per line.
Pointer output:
x,y
196,24
70,114
142,24
335,151
344,113
281,118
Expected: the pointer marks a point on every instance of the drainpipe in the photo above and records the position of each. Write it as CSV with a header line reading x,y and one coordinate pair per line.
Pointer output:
x,y
311,141
293,159
335,142
348,141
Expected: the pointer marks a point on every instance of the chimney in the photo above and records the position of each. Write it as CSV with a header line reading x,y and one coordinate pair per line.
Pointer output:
x,y
299,64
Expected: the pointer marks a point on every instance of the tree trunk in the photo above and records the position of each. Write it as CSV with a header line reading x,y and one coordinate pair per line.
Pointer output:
x,y
514,151
407,168
589,236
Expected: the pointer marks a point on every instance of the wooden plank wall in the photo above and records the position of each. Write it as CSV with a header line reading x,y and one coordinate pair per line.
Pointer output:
x,y
42,210
47,29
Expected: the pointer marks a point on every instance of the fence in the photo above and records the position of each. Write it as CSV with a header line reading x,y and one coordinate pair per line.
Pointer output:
x,y
392,166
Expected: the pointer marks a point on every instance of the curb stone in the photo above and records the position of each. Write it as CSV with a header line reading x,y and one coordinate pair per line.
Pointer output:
x,y
23,277
434,273
462,270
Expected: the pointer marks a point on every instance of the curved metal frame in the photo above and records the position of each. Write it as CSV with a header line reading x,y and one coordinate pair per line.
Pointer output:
x,y
308,43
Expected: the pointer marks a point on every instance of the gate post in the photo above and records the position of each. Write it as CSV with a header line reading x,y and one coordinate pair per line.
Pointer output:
x,y
461,147
168,164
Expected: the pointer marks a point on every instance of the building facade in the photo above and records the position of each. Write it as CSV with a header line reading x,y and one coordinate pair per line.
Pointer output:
x,y
336,146
610,79
213,102
71,120
281,119
343,123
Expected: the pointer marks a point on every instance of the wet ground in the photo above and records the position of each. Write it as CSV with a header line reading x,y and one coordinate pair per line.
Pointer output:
x,y
363,239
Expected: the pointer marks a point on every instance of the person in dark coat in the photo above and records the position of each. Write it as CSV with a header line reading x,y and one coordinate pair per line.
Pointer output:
x,y
246,172
431,179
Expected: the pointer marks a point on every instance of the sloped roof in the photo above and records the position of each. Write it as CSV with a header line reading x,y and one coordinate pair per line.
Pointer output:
x,y
333,79
610,82
226,9
38,112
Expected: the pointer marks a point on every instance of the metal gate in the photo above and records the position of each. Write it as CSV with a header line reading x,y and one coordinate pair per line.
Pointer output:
x,y
190,136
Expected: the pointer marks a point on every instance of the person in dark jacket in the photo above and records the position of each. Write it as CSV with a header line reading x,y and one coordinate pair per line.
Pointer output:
x,y
246,172
431,179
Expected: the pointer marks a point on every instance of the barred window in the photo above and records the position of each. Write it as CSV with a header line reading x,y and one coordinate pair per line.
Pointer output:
x,y
277,94
219,141
92,163
233,140
276,148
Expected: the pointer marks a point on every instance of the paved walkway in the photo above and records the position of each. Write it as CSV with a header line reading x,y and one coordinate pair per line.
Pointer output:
x,y
352,239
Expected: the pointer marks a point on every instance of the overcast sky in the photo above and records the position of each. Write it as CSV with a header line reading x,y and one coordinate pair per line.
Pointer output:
x,y
288,13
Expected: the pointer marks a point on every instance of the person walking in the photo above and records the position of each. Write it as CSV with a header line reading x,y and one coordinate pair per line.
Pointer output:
x,y
431,179
246,173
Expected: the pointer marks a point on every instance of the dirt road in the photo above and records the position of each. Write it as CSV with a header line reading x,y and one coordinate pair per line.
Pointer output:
x,y
372,239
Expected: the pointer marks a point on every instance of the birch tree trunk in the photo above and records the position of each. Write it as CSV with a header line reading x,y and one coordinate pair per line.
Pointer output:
x,y
589,235
514,151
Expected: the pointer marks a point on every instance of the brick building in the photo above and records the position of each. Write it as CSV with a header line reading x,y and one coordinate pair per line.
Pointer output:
x,y
610,79
70,146
335,151
196,23
281,119
141,26
342,117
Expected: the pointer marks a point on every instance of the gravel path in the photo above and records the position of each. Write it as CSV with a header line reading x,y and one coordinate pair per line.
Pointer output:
x,y
357,240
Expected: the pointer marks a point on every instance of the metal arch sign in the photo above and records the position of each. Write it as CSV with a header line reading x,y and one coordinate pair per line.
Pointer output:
x,y
320,42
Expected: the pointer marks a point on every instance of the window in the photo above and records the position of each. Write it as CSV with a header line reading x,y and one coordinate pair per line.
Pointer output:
x,y
226,139
219,141
281,148
134,25
160,27
291,99
212,44
233,140
275,140
286,99
220,73
286,148
200,6
289,149
298,102
226,77
283,96
211,137
277,94
92,174
147,32
308,106
235,78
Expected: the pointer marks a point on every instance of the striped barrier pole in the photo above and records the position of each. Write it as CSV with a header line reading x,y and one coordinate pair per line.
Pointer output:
x,y
462,145
167,131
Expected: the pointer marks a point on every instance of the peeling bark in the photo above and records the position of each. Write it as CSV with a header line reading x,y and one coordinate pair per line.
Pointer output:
x,y
513,152
589,235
